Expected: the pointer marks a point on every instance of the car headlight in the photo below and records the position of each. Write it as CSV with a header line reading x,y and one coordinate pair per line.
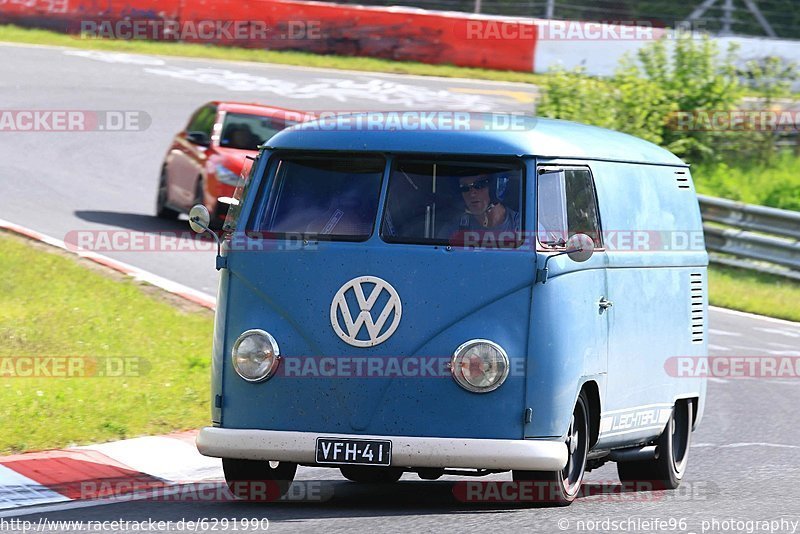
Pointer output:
x,y
226,176
255,355
480,366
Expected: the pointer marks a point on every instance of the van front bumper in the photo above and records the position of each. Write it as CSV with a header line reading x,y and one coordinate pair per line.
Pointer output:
x,y
407,451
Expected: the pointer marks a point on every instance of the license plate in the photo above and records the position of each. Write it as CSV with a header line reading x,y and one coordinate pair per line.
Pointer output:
x,y
354,451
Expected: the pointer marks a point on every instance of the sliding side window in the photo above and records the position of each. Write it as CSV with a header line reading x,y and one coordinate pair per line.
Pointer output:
x,y
566,204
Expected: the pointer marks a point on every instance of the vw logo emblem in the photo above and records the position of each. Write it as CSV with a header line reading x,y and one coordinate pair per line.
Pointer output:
x,y
391,311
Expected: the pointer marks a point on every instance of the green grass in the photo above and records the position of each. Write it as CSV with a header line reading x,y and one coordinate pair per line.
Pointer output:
x,y
754,292
16,34
52,305
777,185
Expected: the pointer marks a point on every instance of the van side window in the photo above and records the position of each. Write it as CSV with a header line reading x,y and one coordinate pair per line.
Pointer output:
x,y
567,205
459,203
551,203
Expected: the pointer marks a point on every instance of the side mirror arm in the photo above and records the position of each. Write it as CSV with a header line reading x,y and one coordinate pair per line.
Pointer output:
x,y
541,274
222,261
580,248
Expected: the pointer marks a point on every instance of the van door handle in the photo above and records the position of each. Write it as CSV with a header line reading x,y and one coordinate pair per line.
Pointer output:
x,y
605,303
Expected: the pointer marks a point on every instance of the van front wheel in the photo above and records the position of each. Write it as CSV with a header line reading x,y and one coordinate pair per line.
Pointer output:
x,y
562,487
256,480
666,471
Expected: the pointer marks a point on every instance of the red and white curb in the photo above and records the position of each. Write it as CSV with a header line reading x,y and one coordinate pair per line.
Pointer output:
x,y
193,295
109,470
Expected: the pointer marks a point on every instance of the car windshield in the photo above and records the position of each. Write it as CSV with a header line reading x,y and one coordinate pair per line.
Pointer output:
x,y
332,198
247,132
442,202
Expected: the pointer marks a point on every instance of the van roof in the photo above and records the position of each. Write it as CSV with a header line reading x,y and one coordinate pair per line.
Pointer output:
x,y
482,134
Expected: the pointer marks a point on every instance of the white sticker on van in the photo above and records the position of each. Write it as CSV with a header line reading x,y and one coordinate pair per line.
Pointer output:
x,y
635,419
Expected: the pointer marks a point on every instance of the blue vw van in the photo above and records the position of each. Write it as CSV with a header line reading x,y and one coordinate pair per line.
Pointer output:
x,y
458,300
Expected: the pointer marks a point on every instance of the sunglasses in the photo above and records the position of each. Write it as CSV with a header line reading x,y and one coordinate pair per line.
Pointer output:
x,y
478,185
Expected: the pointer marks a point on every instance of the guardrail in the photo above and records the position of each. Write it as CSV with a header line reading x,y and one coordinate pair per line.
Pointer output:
x,y
754,237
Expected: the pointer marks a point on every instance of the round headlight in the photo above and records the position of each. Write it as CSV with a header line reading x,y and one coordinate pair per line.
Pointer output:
x,y
255,355
480,366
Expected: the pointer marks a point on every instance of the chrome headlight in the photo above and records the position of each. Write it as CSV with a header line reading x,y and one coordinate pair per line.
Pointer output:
x,y
480,366
255,355
226,176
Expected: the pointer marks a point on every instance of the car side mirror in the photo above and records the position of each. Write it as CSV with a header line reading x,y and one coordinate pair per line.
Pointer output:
x,y
580,248
198,138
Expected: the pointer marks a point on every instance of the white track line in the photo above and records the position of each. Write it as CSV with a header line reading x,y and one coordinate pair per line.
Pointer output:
x,y
717,332
186,292
533,88
754,316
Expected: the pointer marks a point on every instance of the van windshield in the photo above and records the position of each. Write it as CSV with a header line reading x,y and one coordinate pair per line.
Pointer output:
x,y
332,198
455,203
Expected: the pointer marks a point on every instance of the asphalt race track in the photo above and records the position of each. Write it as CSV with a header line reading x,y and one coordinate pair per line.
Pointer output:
x,y
744,459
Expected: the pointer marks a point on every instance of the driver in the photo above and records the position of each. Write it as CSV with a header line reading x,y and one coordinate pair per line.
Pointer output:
x,y
484,209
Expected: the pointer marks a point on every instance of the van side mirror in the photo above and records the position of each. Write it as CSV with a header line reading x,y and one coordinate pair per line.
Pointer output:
x,y
579,248
199,218
199,221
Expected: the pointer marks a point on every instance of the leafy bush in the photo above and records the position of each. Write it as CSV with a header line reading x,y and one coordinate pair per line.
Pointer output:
x,y
627,103
690,75
683,74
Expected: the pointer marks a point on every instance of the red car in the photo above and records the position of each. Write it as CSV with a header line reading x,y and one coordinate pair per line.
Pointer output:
x,y
205,160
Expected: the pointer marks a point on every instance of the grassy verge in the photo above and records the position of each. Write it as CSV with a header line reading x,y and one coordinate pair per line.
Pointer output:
x,y
16,34
52,305
754,292
777,185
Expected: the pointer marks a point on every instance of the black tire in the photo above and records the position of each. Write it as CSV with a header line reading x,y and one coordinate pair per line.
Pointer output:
x,y
371,475
162,211
258,481
666,471
560,488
